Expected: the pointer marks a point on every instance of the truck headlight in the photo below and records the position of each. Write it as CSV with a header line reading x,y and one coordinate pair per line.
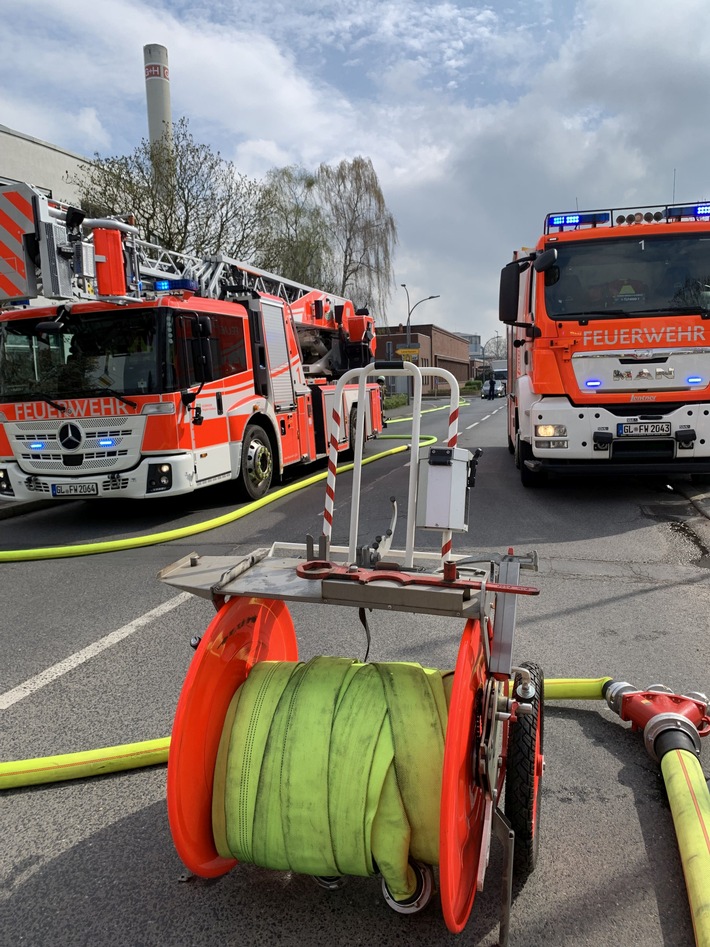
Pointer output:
x,y
550,430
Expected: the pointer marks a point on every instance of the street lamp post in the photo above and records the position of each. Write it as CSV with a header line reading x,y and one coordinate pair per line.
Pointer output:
x,y
410,310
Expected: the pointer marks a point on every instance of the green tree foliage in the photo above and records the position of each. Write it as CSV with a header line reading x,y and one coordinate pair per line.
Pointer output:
x,y
331,229
183,195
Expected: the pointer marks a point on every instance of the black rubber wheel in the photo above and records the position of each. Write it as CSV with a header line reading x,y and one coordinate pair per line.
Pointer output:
x,y
257,469
349,454
511,445
524,767
528,478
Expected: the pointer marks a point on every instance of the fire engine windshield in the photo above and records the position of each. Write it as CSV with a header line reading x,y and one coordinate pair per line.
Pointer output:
x,y
79,354
630,276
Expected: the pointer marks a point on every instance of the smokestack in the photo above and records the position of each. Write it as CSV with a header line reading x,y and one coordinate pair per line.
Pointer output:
x,y
157,92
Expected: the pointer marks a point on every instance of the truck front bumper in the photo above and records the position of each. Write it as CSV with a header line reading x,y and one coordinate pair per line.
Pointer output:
x,y
170,475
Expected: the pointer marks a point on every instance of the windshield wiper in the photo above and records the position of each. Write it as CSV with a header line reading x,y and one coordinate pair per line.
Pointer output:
x,y
54,404
703,311
594,313
116,394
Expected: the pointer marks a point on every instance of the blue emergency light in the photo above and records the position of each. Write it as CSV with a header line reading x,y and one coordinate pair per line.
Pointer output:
x,y
593,383
37,445
579,220
691,210
106,442
166,285
694,380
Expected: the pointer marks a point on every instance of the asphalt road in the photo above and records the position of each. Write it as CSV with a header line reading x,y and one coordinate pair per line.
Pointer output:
x,y
624,592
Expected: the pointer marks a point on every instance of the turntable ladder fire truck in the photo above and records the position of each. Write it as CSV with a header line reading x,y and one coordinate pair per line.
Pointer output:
x,y
609,344
127,370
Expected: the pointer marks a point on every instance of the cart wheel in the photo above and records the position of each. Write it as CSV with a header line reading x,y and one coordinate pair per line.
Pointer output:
x,y
422,896
524,768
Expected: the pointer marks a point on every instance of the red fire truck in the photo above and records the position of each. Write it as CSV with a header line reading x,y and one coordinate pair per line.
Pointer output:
x,y
609,344
127,370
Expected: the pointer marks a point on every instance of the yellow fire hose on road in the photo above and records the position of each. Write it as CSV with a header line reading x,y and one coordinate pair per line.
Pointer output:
x,y
689,799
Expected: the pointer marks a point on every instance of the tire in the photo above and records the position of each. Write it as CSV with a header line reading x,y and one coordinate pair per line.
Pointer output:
x,y
349,454
528,478
524,767
511,445
257,468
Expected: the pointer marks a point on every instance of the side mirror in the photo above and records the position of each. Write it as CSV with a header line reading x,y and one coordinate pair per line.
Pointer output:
x,y
543,261
509,291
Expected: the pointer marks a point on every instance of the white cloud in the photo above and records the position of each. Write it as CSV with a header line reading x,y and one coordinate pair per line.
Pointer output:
x,y
480,118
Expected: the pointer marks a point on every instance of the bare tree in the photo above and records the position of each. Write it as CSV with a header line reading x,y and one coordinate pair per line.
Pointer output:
x,y
293,240
331,229
361,230
183,195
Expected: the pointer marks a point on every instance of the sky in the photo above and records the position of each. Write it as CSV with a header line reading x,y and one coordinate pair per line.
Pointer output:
x,y
479,118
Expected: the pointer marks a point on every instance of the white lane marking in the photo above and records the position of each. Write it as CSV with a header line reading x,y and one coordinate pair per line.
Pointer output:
x,y
74,660
485,418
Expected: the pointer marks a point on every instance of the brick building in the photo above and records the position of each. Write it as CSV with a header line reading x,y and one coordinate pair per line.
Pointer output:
x,y
435,347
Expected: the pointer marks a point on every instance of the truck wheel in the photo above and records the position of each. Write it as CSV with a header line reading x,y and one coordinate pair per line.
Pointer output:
x,y
349,454
524,768
257,463
528,477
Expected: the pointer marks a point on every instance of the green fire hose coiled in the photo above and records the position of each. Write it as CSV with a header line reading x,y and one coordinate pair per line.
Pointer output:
x,y
333,767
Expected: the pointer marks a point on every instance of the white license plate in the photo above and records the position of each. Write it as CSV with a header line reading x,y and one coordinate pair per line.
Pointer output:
x,y
644,429
75,489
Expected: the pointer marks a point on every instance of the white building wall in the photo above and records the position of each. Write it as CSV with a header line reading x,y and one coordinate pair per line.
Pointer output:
x,y
23,158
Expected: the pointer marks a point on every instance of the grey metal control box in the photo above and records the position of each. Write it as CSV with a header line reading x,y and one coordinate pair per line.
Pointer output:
x,y
443,488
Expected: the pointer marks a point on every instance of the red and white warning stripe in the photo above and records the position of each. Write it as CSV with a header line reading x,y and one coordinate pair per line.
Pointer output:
x,y
332,471
447,536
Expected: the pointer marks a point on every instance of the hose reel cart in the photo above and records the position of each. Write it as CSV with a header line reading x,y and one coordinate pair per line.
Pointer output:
x,y
261,765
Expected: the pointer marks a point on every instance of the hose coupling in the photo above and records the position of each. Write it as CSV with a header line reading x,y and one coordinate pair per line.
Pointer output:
x,y
614,694
662,725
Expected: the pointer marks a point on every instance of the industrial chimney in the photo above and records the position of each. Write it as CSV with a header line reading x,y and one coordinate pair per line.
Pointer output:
x,y
157,92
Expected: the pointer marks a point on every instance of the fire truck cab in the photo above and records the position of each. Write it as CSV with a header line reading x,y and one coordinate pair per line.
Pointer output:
x,y
609,344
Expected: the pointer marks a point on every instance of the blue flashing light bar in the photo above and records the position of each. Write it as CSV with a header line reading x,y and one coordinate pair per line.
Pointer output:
x,y
694,380
37,445
106,442
579,220
166,285
593,383
691,210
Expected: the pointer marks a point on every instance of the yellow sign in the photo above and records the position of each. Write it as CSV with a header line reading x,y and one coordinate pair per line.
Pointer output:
x,y
404,352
